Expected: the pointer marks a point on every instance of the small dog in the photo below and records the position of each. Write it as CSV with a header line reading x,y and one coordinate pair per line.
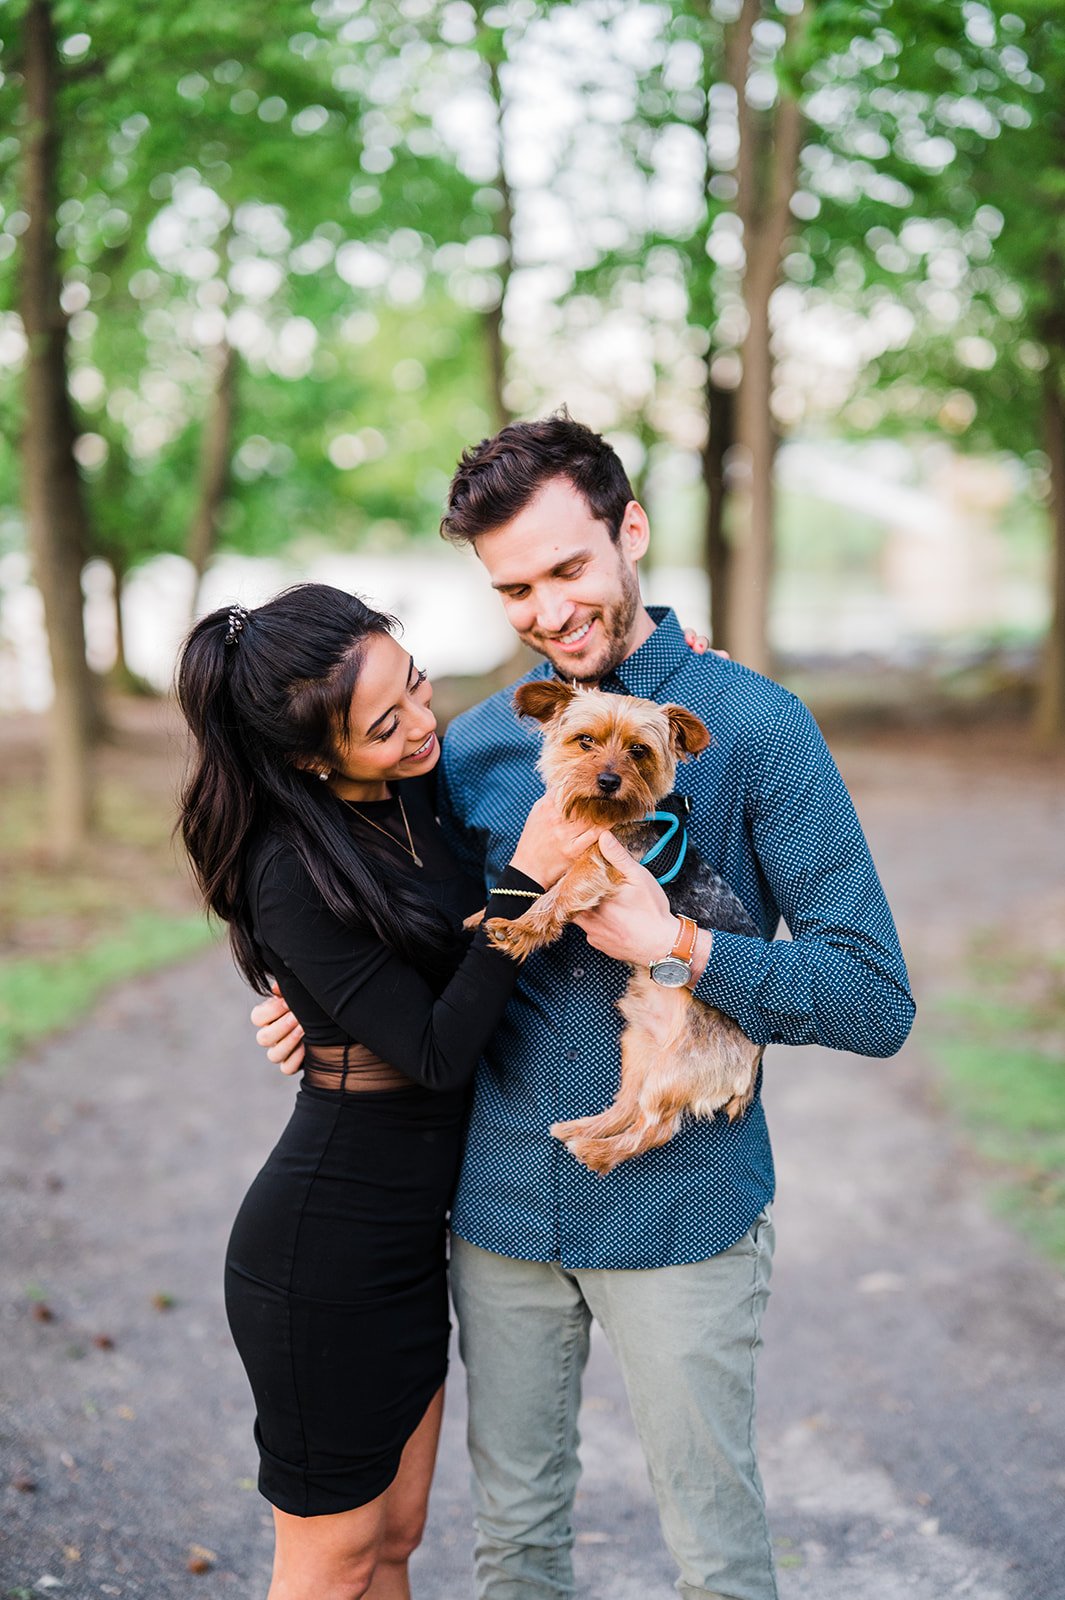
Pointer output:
x,y
612,759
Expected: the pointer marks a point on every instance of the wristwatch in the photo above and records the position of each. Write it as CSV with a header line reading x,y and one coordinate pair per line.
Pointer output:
x,y
675,970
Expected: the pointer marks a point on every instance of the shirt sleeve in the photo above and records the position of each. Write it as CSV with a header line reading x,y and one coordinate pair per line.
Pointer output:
x,y
840,980
373,994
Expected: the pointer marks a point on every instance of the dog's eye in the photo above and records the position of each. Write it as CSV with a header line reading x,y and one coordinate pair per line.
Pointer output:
x,y
638,750
586,741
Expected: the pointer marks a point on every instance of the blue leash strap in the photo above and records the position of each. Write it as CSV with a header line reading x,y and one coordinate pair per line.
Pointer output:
x,y
674,826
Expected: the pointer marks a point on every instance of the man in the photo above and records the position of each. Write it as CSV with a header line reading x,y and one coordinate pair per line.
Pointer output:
x,y
671,1253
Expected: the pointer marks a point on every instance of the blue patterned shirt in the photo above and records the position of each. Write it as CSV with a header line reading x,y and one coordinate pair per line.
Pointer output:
x,y
770,812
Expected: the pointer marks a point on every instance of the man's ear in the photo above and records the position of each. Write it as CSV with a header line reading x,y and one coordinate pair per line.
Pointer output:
x,y
687,734
543,699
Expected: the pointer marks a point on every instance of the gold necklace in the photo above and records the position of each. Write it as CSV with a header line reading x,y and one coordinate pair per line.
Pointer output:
x,y
409,846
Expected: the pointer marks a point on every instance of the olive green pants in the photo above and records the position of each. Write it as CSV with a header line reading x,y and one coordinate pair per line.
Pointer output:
x,y
686,1340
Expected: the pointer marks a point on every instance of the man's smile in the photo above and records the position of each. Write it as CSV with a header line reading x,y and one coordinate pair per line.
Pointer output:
x,y
574,639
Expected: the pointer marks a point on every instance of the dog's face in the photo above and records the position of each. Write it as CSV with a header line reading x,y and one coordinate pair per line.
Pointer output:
x,y
608,757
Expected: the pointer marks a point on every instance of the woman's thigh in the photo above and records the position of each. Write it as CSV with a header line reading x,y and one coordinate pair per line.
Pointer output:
x,y
333,1557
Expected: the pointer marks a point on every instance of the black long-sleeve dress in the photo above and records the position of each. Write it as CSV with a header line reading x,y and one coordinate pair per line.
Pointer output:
x,y
335,1275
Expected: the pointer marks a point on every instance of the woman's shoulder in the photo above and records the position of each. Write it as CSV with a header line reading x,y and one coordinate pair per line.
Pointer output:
x,y
275,865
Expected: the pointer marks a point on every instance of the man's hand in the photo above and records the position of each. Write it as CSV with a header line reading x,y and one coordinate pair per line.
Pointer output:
x,y
279,1033
635,924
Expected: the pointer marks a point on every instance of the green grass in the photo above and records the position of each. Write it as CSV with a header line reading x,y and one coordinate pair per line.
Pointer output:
x,y
39,995
124,906
1004,1054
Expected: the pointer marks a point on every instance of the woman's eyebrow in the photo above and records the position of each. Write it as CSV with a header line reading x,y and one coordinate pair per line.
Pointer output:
x,y
388,713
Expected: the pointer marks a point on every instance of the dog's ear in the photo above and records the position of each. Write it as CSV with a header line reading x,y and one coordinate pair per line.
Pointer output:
x,y
688,735
543,699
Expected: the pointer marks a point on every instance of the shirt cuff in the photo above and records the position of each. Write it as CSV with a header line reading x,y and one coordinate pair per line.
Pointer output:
x,y
731,974
519,893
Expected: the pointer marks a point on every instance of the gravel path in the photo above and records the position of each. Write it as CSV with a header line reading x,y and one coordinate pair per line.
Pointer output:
x,y
912,1406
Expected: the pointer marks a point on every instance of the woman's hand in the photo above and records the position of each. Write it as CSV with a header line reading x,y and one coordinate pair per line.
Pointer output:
x,y
549,844
635,924
280,1035
700,644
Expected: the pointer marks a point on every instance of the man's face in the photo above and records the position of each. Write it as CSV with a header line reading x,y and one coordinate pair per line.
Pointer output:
x,y
569,590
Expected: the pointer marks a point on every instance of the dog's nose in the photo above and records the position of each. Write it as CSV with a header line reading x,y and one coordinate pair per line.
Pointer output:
x,y
609,782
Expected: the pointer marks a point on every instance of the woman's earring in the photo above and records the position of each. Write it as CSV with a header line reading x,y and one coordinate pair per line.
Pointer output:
x,y
324,776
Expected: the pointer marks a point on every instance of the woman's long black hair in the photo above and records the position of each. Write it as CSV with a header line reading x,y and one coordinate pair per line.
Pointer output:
x,y
262,699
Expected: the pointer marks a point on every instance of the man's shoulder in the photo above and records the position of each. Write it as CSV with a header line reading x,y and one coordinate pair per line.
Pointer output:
x,y
736,696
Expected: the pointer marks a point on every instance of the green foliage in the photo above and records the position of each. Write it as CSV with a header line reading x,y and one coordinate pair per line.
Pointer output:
x,y
222,183
934,185
298,191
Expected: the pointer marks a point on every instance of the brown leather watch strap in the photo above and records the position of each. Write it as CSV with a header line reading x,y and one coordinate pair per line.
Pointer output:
x,y
684,945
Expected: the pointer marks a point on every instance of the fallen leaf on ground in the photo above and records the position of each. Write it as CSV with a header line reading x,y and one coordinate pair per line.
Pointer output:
x,y
200,1558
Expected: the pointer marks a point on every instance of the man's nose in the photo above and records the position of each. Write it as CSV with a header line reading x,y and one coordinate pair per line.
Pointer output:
x,y
553,612
609,782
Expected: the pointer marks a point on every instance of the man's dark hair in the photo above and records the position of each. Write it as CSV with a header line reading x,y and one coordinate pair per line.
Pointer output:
x,y
500,476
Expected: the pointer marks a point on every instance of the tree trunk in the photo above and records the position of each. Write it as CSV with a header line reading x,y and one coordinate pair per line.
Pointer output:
x,y
1050,707
120,676
766,169
55,505
504,228
216,449
720,424
751,558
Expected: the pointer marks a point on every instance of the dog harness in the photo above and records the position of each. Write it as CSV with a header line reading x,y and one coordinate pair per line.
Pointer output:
x,y
666,856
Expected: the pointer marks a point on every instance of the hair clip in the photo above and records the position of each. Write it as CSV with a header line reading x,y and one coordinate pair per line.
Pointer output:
x,y
238,616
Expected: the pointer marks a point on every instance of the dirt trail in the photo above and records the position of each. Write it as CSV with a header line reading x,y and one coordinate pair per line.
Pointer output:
x,y
912,1411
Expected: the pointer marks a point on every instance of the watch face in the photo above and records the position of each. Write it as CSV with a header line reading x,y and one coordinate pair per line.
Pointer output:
x,y
671,973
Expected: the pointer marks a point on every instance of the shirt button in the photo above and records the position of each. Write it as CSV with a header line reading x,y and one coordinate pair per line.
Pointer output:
x,y
578,972
573,1055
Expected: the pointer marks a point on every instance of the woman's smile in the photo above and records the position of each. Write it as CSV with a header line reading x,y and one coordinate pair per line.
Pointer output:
x,y
424,751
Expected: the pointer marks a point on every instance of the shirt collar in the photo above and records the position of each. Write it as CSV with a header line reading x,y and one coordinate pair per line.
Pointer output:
x,y
657,659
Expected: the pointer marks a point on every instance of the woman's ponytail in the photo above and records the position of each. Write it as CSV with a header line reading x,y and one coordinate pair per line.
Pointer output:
x,y
218,800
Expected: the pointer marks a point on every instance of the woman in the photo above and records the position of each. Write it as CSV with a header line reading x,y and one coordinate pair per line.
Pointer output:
x,y
308,816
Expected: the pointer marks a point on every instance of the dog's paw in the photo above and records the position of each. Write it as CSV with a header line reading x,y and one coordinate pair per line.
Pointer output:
x,y
518,942
596,1154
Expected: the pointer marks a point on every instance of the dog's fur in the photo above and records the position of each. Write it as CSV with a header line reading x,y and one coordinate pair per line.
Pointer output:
x,y
611,759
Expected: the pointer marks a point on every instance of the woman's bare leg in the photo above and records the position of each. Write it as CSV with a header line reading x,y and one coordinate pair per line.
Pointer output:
x,y
326,1558
361,1553
406,1504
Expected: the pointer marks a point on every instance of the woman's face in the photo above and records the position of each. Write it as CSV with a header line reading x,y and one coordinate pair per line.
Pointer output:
x,y
392,731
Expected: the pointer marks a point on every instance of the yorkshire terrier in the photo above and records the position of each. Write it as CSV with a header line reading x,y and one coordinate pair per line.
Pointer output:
x,y
612,760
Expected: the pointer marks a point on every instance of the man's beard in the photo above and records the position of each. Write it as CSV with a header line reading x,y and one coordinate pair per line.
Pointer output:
x,y
617,621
